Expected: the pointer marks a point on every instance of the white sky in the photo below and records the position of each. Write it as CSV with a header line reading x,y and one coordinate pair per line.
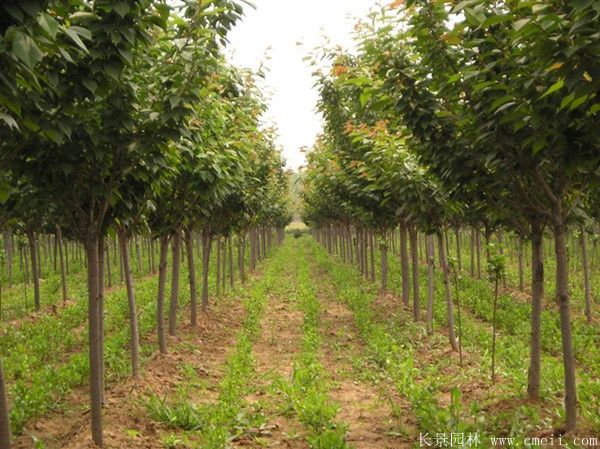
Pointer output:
x,y
272,31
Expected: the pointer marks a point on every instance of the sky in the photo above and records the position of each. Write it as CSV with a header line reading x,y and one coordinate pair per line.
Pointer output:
x,y
270,35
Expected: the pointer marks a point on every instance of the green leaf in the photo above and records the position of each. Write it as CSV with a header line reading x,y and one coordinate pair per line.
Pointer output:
x,y
25,48
505,106
537,146
75,38
565,101
164,10
521,23
9,121
365,96
578,102
126,54
91,85
500,101
494,20
122,8
48,24
556,86
113,70
594,108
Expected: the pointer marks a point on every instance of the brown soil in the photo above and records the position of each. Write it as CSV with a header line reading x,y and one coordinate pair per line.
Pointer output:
x,y
126,421
365,407
274,353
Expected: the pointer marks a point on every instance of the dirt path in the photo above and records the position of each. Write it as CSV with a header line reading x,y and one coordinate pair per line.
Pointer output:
x,y
366,407
274,353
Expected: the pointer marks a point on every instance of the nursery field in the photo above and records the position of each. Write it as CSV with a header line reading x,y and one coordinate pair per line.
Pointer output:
x,y
308,353
217,232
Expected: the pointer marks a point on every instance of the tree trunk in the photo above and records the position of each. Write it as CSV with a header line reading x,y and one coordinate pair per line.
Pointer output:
x,y
537,295
242,258
384,265
218,277
8,248
206,247
562,292
458,249
31,236
160,303
521,269
230,250
95,338
372,254
472,252
404,264
173,307
189,243
4,413
63,275
448,292
415,270
101,309
494,311
133,323
430,282
108,264
586,277
478,248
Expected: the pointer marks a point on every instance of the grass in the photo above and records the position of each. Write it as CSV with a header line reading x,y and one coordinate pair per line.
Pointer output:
x,y
306,394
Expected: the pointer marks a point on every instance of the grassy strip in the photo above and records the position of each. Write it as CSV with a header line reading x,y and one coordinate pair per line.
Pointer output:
x,y
306,395
41,377
393,353
511,354
217,424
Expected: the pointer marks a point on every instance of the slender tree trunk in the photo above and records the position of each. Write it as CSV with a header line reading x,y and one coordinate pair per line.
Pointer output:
x,y
458,248
160,303
66,247
472,252
206,247
133,322
448,292
224,265
63,276
384,265
586,277
8,248
4,413
404,265
562,292
55,255
218,278
521,269
101,308
537,295
478,247
95,338
231,273
372,254
415,271
173,307
108,264
242,258
35,272
430,282
495,308
189,243
151,243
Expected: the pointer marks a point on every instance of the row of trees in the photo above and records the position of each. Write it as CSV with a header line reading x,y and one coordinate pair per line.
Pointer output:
x,y
483,115
123,117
